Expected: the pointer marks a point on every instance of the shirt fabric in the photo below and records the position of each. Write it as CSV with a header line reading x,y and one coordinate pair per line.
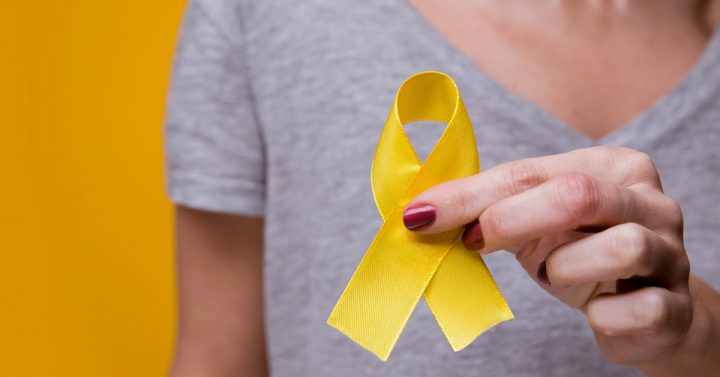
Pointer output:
x,y
275,110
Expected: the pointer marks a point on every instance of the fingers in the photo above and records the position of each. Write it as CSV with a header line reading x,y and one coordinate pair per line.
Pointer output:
x,y
455,203
650,311
620,252
564,203
458,202
622,166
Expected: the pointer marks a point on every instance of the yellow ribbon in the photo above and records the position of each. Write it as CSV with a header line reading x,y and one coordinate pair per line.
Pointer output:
x,y
400,265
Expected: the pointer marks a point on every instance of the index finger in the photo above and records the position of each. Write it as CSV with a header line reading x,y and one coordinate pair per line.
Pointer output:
x,y
455,203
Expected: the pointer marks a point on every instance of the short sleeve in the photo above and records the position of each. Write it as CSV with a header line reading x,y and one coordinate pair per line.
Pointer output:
x,y
213,145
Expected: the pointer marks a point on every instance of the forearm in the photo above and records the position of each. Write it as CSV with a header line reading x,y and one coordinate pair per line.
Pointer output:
x,y
698,354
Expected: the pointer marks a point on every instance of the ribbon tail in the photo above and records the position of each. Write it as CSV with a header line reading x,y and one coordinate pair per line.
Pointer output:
x,y
464,297
388,284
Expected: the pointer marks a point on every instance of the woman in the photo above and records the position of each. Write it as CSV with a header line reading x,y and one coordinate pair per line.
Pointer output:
x,y
597,124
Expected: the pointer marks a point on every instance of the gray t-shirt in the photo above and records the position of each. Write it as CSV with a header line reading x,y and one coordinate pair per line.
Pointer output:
x,y
275,110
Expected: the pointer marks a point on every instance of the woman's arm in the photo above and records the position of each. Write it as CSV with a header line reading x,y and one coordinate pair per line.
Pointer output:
x,y
219,259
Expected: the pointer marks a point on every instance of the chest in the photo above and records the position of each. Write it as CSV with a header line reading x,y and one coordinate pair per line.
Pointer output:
x,y
595,79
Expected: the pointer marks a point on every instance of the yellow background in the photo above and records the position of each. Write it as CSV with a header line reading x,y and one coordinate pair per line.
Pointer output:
x,y
86,269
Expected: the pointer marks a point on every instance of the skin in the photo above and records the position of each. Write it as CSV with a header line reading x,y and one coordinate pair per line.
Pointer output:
x,y
592,64
219,273
612,247
594,228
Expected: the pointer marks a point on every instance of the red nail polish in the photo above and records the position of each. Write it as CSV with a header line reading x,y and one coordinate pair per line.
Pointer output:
x,y
473,238
419,215
542,274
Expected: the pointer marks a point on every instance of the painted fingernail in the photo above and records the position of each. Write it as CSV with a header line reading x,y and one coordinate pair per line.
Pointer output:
x,y
419,215
542,274
473,238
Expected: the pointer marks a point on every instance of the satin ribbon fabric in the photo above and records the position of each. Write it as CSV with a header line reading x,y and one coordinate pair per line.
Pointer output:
x,y
400,265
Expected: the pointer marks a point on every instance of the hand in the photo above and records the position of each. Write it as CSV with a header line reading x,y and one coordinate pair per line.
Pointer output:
x,y
594,228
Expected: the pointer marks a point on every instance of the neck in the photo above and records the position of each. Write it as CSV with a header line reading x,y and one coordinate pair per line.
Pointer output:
x,y
595,64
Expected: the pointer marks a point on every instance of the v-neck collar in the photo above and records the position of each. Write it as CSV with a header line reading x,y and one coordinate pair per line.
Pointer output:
x,y
700,84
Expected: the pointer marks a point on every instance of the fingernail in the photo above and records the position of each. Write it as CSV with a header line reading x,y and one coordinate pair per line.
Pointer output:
x,y
542,274
473,238
419,215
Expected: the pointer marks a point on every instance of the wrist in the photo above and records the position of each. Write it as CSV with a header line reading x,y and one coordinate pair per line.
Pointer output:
x,y
698,352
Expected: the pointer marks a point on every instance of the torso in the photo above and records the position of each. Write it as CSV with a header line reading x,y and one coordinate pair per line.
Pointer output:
x,y
323,76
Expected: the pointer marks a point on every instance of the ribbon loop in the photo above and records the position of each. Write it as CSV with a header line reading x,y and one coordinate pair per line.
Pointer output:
x,y
400,266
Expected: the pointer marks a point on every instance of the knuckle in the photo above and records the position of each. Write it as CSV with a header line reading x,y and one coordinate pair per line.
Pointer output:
x,y
642,159
461,199
641,166
561,271
522,176
610,155
650,312
673,213
597,323
630,247
645,167
579,195
559,274
493,225
596,319
632,165
682,267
